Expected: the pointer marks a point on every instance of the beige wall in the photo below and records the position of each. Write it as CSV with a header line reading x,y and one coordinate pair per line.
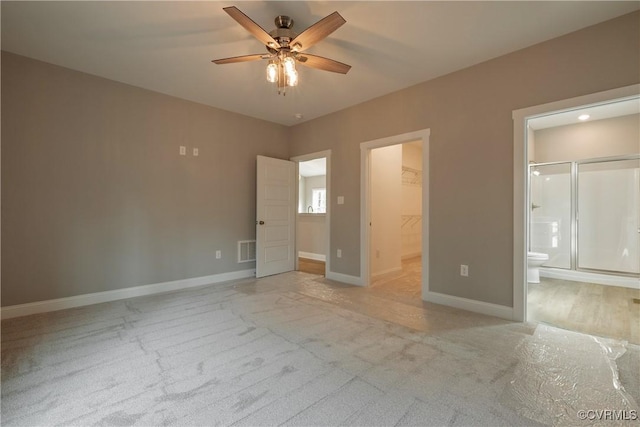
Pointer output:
x,y
531,144
600,138
311,235
471,149
386,209
411,229
95,196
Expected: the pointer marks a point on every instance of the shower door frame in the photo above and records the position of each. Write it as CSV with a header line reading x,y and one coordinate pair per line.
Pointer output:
x,y
572,223
574,176
574,190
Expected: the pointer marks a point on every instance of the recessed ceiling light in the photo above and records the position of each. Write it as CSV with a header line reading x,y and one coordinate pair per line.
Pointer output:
x,y
583,117
299,116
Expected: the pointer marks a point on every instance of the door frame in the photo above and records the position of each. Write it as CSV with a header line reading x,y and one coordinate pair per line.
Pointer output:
x,y
521,178
365,201
327,233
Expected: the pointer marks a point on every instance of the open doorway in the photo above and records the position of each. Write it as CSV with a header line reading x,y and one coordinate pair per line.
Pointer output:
x,y
313,212
395,233
396,220
580,221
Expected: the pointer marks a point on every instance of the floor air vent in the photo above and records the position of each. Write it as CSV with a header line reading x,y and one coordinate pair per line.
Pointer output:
x,y
246,250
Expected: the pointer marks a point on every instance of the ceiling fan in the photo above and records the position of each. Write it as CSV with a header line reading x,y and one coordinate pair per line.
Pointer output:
x,y
285,47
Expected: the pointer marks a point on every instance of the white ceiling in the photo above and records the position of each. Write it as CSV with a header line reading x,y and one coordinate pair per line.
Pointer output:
x,y
167,46
595,112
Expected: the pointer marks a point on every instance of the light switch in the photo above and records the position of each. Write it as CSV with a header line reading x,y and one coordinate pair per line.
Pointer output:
x,y
195,152
341,200
183,150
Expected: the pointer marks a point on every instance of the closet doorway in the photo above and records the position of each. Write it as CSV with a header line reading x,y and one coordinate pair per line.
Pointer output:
x,y
395,249
395,215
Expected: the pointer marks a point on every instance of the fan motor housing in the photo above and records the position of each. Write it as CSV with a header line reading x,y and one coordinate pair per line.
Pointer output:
x,y
283,21
283,32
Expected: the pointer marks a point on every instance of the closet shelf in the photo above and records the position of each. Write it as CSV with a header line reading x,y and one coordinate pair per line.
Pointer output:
x,y
411,176
410,220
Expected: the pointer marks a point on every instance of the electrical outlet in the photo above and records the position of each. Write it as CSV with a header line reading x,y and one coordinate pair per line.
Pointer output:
x,y
196,152
464,270
218,254
339,253
183,150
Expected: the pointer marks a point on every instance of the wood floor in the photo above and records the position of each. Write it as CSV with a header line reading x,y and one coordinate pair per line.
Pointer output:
x,y
607,311
312,266
404,284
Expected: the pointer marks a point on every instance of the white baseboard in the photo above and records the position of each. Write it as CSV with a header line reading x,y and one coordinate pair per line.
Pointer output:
x,y
118,294
345,278
311,255
481,307
411,255
585,276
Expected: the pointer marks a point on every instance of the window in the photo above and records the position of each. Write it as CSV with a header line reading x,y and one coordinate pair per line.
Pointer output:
x,y
319,200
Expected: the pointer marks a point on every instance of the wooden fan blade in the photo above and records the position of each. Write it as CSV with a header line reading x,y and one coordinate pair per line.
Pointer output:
x,y
317,32
256,30
234,59
325,64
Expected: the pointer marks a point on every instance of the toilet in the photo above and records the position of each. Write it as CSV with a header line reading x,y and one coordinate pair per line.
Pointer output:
x,y
534,261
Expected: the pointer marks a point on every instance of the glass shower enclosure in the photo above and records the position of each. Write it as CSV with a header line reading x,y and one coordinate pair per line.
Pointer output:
x,y
586,214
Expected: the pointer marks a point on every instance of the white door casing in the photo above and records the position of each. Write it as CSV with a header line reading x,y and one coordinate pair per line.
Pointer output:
x,y
275,216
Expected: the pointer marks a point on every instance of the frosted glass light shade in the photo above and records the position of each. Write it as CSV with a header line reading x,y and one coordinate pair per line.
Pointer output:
x,y
289,65
292,78
272,72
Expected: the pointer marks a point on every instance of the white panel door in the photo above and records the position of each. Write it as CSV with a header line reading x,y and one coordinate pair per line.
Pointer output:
x,y
275,216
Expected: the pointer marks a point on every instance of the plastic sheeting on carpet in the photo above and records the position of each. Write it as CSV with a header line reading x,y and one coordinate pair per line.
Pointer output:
x,y
566,378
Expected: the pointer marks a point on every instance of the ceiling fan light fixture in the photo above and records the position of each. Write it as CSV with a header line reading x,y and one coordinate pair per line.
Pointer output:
x,y
272,72
292,78
284,47
289,65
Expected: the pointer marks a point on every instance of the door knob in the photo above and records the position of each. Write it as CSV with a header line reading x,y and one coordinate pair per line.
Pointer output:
x,y
261,222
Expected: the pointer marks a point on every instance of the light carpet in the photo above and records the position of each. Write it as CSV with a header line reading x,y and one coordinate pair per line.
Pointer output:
x,y
284,350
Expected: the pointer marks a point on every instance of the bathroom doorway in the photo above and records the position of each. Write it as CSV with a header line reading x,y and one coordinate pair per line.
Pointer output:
x,y
313,212
394,233
581,220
